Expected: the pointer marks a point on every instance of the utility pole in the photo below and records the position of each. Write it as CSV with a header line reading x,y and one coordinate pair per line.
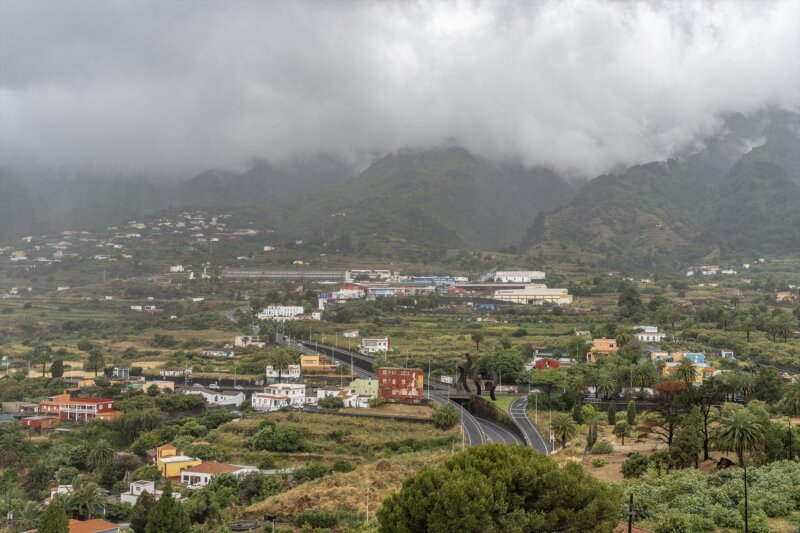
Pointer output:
x,y
630,514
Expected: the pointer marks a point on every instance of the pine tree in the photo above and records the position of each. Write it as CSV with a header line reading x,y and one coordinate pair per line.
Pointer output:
x,y
631,413
592,437
168,516
688,443
141,512
54,519
612,414
577,413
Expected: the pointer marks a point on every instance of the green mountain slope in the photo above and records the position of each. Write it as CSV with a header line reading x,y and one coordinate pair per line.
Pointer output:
x,y
436,198
739,195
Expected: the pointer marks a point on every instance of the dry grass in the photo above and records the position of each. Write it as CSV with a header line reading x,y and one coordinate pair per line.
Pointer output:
x,y
349,490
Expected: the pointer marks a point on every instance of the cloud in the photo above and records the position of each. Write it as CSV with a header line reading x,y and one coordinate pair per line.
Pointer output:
x,y
583,87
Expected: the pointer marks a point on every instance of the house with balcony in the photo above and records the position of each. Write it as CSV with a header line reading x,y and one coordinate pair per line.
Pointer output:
x,y
78,409
279,396
196,477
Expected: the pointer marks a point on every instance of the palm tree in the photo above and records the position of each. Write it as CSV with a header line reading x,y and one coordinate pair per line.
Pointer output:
x,y
564,427
740,432
96,361
623,337
791,406
577,347
643,375
42,354
280,361
686,371
606,384
748,324
86,496
746,383
101,455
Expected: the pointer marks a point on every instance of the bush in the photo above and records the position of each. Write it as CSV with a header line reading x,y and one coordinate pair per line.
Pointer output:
x,y
597,462
331,402
312,470
602,447
376,402
343,466
635,465
316,518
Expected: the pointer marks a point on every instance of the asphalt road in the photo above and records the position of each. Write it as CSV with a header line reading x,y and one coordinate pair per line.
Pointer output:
x,y
497,433
474,433
519,412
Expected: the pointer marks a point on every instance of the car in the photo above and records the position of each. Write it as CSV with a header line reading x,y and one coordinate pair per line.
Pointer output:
x,y
214,386
199,385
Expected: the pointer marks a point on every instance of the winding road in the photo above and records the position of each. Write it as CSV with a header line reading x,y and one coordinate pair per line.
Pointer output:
x,y
519,412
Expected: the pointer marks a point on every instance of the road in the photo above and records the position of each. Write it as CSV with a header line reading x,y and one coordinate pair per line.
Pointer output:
x,y
476,431
230,314
519,412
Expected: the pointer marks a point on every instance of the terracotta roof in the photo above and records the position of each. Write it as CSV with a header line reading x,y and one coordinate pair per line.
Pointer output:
x,y
622,527
94,525
166,447
211,467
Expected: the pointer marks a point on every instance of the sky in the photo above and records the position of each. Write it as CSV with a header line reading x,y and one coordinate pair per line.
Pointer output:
x,y
583,87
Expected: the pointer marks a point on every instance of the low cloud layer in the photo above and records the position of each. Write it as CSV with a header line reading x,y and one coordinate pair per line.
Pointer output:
x,y
584,87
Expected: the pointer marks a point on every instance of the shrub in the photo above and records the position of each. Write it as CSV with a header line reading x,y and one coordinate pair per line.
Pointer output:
x,y
597,462
316,518
635,465
343,466
312,470
602,447
376,402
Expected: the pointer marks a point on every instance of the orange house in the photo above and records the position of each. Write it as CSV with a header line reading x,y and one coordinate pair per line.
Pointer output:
x,y
605,346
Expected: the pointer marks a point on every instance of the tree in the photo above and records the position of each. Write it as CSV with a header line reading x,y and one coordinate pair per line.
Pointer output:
x,y
85,497
549,379
168,516
577,347
331,402
54,519
577,413
704,397
630,303
612,413
280,361
477,338
740,432
623,337
591,438
622,430
791,399
635,465
686,371
141,511
630,413
445,417
96,360
688,443
667,314
643,375
768,386
41,355
564,428
57,368
606,384
498,487
748,324
102,454
669,396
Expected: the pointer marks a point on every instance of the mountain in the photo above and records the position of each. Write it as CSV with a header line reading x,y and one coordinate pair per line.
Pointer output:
x,y
439,198
738,195
36,201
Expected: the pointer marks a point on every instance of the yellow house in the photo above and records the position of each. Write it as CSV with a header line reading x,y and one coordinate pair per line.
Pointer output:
x,y
170,462
171,466
315,362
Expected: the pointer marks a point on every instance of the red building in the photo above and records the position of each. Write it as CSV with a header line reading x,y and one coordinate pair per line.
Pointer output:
x,y
40,422
405,385
545,362
79,409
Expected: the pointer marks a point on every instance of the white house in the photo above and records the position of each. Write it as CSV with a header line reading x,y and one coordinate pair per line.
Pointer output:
x,y
518,276
650,334
278,396
244,340
349,399
199,476
375,345
350,334
280,312
218,397
218,352
291,372
176,268
136,489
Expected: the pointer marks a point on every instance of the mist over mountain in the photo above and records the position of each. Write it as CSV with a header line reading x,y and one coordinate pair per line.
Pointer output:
x,y
740,194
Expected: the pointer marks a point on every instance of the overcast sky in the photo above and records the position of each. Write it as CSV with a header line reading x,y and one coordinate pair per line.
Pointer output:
x,y
582,86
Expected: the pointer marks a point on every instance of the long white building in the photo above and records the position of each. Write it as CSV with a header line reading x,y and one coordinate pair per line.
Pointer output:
x,y
518,276
280,312
534,295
